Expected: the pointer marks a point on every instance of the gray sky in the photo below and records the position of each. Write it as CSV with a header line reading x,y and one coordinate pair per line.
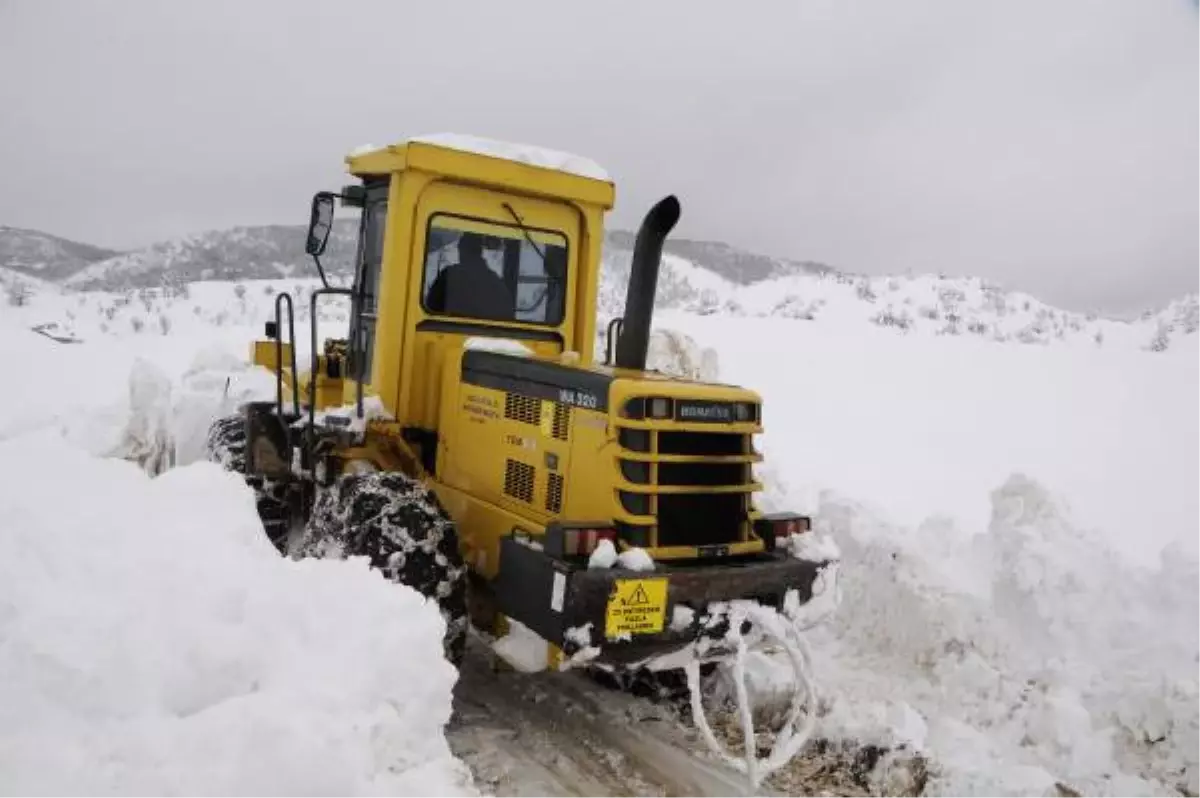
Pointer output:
x,y
1049,145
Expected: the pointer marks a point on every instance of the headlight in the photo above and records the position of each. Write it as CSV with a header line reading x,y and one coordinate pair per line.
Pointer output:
x,y
743,412
658,407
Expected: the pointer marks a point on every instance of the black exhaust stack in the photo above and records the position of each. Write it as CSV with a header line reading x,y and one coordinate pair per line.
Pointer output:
x,y
634,341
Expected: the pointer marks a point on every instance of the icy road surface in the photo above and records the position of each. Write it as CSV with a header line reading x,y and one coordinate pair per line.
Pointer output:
x,y
563,734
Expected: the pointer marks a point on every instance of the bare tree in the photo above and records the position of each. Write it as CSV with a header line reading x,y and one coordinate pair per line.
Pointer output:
x,y
19,294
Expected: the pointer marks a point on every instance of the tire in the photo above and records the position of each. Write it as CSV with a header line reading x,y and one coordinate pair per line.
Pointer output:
x,y
225,445
398,524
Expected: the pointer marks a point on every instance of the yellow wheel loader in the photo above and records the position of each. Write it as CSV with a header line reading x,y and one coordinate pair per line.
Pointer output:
x,y
466,438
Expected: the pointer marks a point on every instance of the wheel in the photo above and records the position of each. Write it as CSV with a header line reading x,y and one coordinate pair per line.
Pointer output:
x,y
398,524
225,445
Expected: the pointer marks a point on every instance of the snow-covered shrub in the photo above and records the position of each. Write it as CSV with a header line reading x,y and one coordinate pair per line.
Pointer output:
x,y
19,294
890,318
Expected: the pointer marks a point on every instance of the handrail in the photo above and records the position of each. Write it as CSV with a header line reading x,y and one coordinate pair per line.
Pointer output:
x,y
279,301
610,340
312,374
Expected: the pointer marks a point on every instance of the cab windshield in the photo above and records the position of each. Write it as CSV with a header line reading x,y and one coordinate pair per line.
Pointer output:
x,y
499,272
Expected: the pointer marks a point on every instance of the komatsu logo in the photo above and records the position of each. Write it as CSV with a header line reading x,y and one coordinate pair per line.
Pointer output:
x,y
703,411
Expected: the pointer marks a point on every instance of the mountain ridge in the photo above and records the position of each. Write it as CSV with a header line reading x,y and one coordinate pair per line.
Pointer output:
x,y
701,277
46,256
271,251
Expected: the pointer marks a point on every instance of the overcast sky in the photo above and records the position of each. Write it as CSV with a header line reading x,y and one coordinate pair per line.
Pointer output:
x,y
1048,145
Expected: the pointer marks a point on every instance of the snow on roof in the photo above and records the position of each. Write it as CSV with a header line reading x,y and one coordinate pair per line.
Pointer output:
x,y
504,346
522,153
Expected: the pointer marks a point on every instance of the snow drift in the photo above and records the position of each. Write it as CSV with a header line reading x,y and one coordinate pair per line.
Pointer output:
x,y
152,641
1028,654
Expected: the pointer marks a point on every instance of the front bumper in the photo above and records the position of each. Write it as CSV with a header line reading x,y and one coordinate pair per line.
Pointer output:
x,y
636,615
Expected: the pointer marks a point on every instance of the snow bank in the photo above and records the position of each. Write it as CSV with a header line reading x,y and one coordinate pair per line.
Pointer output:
x,y
147,439
152,641
1024,655
674,353
215,384
111,396
1018,629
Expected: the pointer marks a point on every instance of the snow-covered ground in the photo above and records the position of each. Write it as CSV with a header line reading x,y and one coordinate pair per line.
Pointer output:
x,y
1019,533
1018,526
929,425
151,639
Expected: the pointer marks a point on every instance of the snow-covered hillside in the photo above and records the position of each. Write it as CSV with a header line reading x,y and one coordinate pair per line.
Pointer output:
x,y
959,306
698,276
43,256
736,265
906,308
923,305
20,287
241,253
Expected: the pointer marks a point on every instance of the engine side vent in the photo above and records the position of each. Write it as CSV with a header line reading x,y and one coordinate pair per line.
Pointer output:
x,y
554,493
525,409
562,420
518,480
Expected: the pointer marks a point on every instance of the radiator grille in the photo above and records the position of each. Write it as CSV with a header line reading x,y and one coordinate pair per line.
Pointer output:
x,y
554,493
518,480
525,409
696,518
562,420
528,410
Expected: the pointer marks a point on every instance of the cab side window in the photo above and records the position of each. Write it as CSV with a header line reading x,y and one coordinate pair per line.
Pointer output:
x,y
370,261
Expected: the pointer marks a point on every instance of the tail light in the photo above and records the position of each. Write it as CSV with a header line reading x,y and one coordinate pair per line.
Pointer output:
x,y
781,526
786,527
576,540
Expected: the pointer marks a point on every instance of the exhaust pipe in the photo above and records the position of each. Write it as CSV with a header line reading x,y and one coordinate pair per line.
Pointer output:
x,y
634,341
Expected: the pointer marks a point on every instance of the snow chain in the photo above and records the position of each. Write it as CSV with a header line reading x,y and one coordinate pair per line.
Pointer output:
x,y
766,625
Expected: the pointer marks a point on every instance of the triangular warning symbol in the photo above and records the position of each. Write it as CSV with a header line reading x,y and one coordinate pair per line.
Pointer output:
x,y
639,597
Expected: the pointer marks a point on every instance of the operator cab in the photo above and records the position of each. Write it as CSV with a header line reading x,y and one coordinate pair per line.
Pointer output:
x,y
461,240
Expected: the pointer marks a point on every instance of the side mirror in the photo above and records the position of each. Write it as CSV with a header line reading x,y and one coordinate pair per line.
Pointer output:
x,y
320,223
354,196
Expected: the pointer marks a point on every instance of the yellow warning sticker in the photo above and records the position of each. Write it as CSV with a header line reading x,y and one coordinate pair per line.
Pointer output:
x,y
547,418
636,606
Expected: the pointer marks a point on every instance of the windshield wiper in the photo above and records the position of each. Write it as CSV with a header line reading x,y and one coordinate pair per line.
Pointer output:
x,y
524,231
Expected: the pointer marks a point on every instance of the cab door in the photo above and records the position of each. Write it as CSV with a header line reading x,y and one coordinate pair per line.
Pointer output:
x,y
530,245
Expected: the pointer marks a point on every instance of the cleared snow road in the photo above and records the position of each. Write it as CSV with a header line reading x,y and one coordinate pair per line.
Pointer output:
x,y
559,734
